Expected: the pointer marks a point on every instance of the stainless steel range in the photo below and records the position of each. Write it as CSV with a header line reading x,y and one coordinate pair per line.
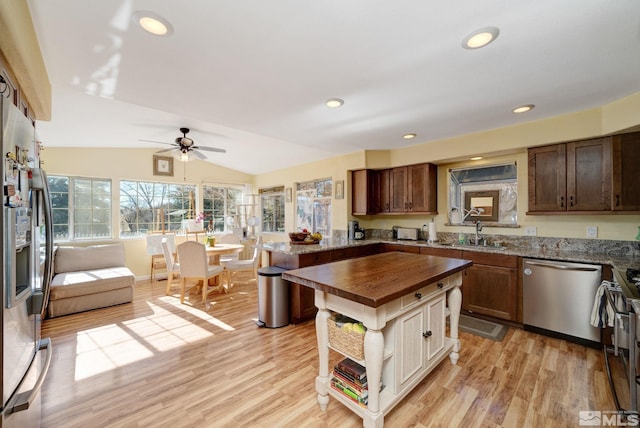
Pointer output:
x,y
621,357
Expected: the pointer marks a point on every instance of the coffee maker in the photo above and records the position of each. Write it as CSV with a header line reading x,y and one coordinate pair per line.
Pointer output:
x,y
353,225
355,231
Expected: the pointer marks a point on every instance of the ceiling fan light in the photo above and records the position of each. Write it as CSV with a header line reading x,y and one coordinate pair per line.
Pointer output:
x,y
183,156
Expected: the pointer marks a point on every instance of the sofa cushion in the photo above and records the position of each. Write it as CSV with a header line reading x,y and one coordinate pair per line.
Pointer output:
x,y
73,259
72,284
88,302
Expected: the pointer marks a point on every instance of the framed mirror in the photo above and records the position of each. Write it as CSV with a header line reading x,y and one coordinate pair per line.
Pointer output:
x,y
482,205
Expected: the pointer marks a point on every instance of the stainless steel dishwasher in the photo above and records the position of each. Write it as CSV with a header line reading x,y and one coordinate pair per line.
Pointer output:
x,y
558,298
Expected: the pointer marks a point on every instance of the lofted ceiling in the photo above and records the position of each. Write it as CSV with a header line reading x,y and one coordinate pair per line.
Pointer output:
x,y
252,77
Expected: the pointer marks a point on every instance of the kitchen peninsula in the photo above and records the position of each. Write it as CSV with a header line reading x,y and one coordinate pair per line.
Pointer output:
x,y
403,300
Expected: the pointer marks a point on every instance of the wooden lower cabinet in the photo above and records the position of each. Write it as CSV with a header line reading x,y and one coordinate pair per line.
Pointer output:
x,y
301,298
442,252
402,248
492,286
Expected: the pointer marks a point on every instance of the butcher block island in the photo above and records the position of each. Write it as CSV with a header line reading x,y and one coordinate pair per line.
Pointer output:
x,y
402,299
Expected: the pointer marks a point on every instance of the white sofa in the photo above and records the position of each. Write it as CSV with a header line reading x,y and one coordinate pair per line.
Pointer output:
x,y
89,278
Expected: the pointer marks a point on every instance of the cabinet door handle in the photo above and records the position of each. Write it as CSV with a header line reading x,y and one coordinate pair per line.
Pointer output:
x,y
418,295
405,206
561,201
440,285
617,200
427,334
571,201
386,206
410,206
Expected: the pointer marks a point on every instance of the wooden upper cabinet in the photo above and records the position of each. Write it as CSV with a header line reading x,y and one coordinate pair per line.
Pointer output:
x,y
547,178
383,195
413,189
422,182
398,190
401,190
597,175
363,192
626,172
589,175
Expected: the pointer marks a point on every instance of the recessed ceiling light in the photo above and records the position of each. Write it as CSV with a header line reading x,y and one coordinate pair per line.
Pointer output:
x,y
334,102
409,136
523,109
153,23
476,158
480,38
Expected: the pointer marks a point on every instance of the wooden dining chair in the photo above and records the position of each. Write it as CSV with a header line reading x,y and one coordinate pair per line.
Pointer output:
x,y
154,249
194,265
235,267
173,268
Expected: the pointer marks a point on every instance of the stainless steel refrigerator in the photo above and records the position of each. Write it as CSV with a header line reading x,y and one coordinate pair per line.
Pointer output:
x,y
26,254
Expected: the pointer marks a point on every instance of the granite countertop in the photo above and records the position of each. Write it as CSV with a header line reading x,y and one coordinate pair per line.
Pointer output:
x,y
618,261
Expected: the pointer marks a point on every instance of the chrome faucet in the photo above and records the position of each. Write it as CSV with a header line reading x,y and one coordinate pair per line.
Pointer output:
x,y
478,230
472,211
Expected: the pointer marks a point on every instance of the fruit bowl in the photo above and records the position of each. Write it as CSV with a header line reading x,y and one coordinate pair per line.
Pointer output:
x,y
298,236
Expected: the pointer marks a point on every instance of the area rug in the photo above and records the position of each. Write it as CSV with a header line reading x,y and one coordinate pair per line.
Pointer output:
x,y
483,328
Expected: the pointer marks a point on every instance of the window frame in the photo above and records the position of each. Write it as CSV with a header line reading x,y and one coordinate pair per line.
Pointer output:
x,y
72,211
210,213
274,196
182,207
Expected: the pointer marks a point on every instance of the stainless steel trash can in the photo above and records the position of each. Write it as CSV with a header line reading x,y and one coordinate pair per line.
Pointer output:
x,y
273,297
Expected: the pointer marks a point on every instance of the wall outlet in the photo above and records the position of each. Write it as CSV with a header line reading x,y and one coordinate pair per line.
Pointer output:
x,y
530,231
592,231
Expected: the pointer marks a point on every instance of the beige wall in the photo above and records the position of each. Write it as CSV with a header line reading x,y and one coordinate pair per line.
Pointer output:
x,y
134,164
498,145
506,144
616,227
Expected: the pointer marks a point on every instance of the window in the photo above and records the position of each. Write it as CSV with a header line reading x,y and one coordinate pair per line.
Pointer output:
x,y
220,204
486,193
81,207
147,207
272,209
313,206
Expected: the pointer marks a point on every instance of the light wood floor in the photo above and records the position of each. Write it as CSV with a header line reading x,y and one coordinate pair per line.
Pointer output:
x,y
157,363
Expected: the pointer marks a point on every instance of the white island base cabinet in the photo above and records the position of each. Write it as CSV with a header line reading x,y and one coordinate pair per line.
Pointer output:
x,y
405,340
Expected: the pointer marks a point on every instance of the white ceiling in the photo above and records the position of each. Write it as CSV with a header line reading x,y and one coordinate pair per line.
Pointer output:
x,y
251,76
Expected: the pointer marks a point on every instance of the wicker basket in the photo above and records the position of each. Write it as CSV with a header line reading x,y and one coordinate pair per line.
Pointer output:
x,y
349,342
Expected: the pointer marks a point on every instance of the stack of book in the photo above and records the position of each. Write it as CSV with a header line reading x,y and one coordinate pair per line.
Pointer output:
x,y
350,379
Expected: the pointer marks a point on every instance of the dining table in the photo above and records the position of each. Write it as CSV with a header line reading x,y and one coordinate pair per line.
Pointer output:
x,y
214,252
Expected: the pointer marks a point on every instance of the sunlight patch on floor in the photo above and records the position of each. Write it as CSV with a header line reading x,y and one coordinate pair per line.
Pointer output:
x,y
109,347
106,348
198,312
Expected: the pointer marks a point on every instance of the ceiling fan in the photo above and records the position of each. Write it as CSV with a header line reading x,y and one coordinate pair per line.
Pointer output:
x,y
184,147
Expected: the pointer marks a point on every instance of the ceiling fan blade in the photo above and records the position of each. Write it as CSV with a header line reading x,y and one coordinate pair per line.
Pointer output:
x,y
210,149
159,142
198,154
165,150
